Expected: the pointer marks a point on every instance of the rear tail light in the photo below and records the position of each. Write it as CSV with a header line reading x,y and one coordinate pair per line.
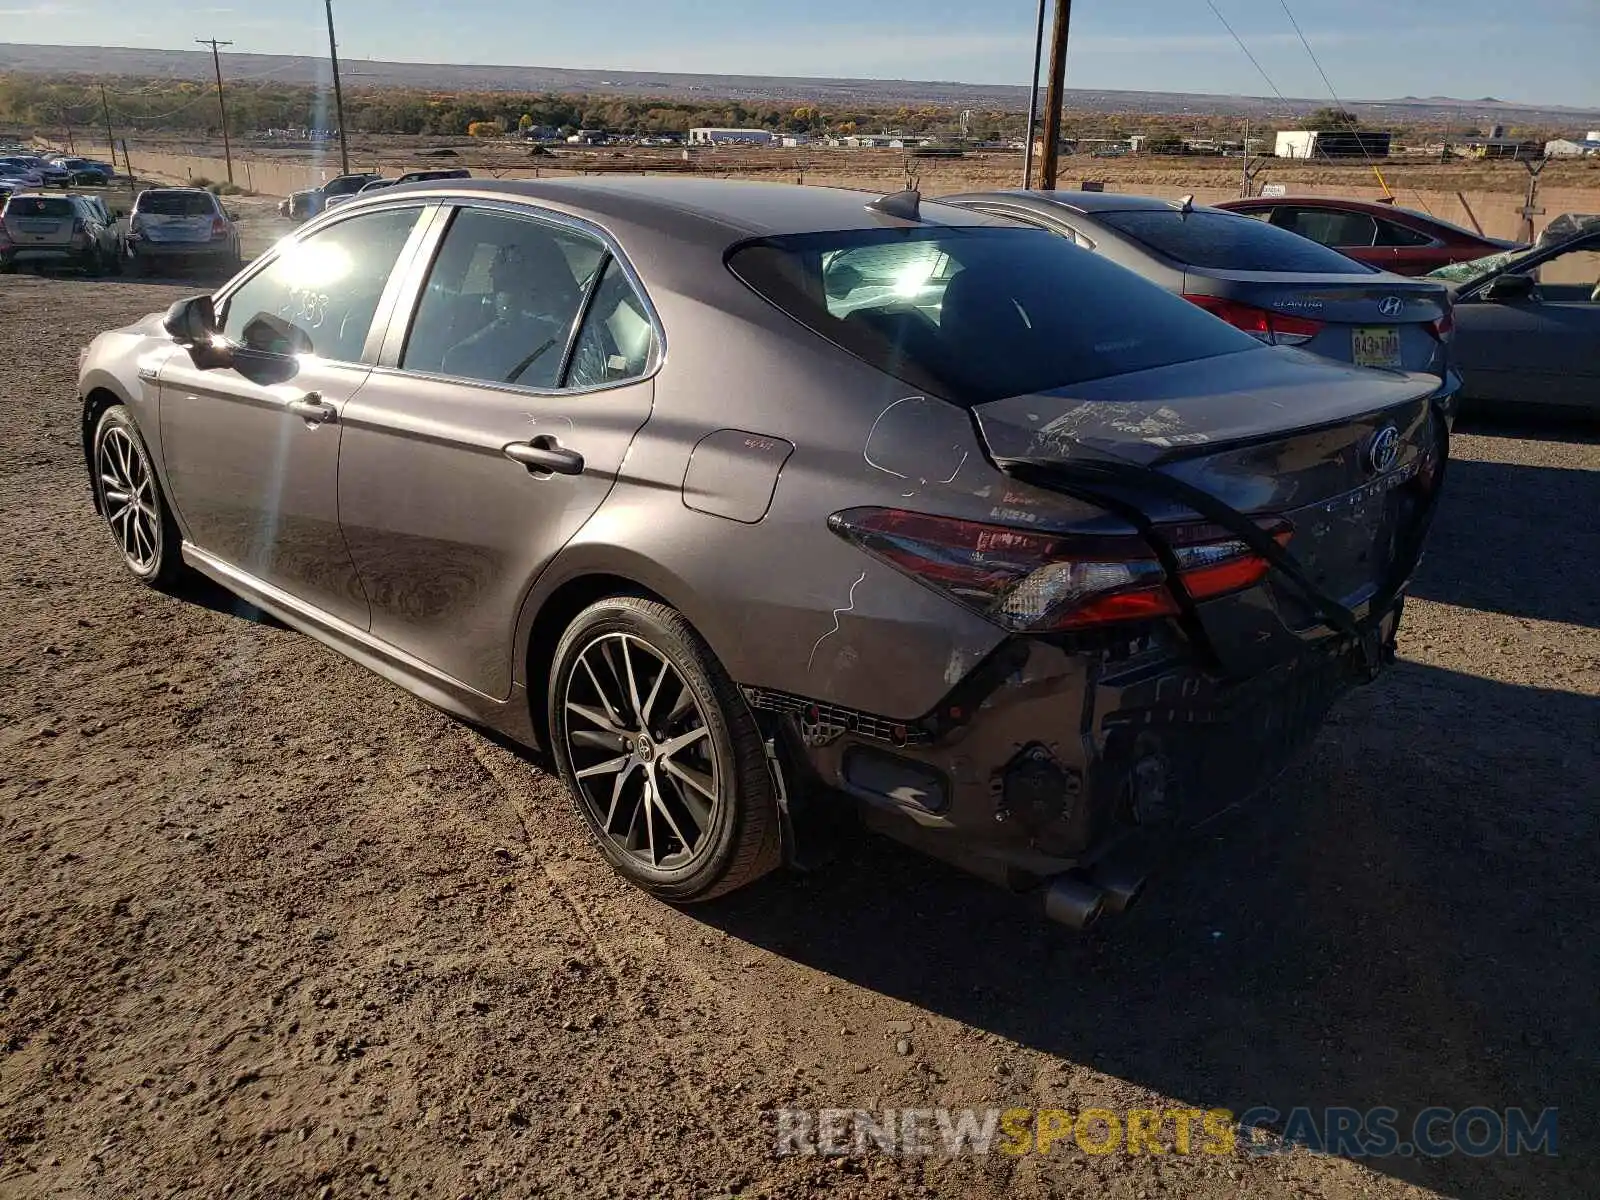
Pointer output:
x,y
219,227
78,225
1029,581
1444,328
1273,328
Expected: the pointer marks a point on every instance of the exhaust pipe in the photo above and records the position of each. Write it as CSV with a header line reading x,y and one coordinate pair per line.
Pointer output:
x,y
1122,884
1074,902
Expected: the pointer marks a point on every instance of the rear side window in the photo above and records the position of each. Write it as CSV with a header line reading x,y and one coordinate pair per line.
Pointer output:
x,y
1228,242
176,204
617,339
1329,226
976,314
501,300
1391,234
40,206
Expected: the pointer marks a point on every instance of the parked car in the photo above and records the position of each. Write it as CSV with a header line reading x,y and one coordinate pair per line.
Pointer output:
x,y
1380,235
20,175
85,171
115,237
1528,321
40,230
181,226
1027,556
380,183
48,173
1274,285
302,206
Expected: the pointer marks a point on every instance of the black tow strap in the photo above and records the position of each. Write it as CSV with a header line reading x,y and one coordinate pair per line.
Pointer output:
x,y
1088,479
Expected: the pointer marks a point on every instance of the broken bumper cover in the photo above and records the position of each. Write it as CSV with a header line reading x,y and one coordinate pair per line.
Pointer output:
x,y
1067,757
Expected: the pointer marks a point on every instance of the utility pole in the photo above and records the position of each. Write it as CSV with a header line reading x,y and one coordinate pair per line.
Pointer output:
x,y
1053,97
222,108
111,142
1033,99
338,94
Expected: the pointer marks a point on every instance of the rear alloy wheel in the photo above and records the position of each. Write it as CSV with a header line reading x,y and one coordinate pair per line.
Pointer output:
x,y
661,753
131,501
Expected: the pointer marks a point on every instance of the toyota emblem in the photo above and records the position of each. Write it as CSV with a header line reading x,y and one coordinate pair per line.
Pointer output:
x,y
1383,449
1391,306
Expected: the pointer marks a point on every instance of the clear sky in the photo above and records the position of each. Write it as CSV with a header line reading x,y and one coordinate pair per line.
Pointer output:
x,y
1541,51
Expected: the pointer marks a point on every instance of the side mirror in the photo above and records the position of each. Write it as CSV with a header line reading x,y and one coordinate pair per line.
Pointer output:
x,y
273,335
1510,287
191,321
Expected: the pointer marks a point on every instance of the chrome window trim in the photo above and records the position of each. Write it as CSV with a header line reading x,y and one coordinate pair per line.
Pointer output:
x,y
386,302
407,303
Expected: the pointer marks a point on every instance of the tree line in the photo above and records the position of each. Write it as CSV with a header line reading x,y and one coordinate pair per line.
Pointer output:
x,y
164,105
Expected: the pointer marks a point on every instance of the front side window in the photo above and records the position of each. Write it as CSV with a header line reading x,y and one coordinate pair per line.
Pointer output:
x,y
501,300
979,313
320,294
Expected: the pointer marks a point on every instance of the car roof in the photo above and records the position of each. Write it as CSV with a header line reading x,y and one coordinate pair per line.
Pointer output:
x,y
713,208
1373,207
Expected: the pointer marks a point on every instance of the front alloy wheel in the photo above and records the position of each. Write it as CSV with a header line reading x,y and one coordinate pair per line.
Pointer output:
x,y
131,501
661,753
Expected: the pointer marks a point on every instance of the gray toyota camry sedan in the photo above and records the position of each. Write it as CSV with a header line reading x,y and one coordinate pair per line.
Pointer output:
x,y
744,500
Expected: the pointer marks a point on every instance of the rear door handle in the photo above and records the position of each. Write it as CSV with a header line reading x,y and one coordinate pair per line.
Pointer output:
x,y
313,408
544,454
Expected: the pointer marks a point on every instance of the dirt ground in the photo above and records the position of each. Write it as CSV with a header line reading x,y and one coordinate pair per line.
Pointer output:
x,y
270,927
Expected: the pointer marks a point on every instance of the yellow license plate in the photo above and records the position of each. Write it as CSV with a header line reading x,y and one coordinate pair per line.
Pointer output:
x,y
1376,346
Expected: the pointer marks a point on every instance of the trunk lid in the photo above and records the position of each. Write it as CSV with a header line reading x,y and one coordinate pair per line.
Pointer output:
x,y
1371,320
1275,432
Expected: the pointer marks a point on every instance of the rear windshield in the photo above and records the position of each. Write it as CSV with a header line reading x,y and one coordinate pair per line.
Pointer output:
x,y
40,206
977,314
176,204
1229,242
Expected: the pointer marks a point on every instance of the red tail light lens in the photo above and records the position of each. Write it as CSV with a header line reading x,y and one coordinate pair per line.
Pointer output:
x,y
1030,581
219,227
1444,328
1275,329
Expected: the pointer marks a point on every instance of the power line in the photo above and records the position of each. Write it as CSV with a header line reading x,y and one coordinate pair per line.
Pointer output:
x,y
1218,13
222,108
1354,132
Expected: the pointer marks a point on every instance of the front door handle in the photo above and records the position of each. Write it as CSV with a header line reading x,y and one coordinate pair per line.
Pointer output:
x,y
313,408
544,454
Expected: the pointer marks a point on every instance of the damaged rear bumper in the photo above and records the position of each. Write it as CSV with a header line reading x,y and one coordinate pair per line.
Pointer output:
x,y
1072,771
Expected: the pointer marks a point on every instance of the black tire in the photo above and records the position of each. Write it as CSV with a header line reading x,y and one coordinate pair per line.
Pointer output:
x,y
114,433
740,840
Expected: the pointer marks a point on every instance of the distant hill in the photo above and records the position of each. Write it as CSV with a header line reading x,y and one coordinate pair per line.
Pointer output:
x,y
108,61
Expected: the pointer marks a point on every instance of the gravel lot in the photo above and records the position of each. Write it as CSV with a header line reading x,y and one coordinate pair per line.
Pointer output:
x,y
271,927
